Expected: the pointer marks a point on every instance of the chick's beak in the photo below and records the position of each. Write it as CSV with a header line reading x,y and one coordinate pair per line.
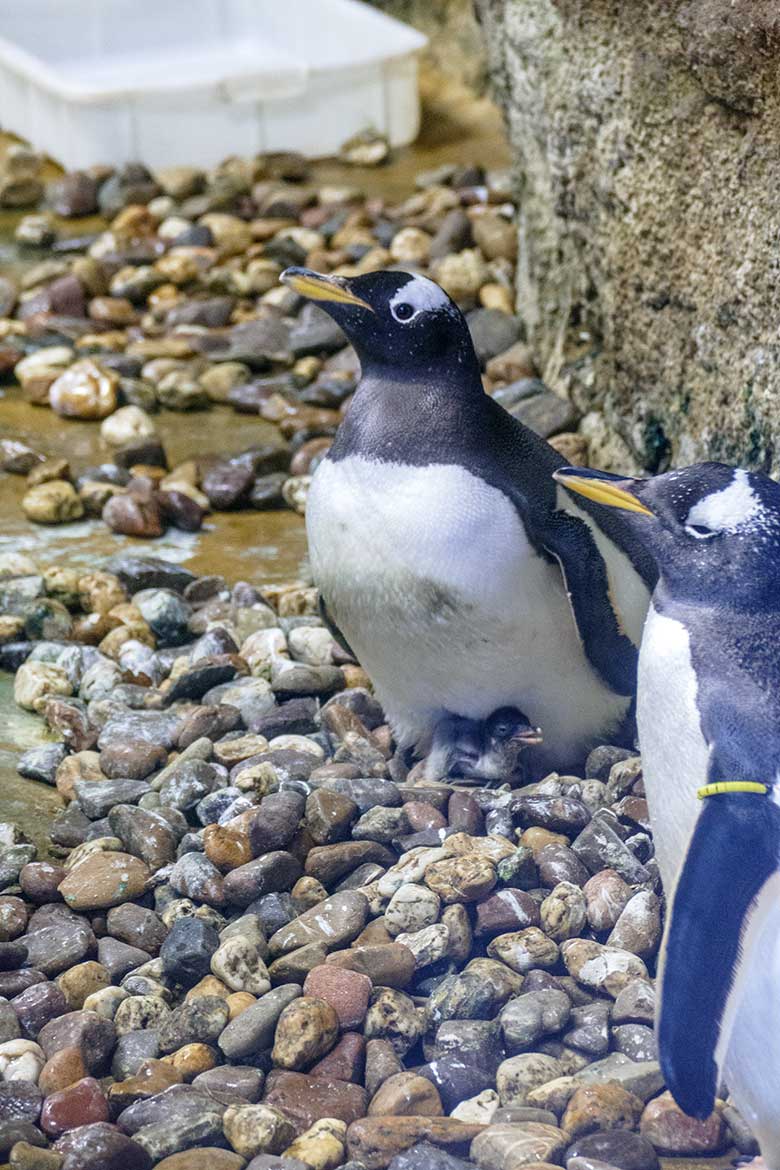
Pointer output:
x,y
602,488
316,287
529,736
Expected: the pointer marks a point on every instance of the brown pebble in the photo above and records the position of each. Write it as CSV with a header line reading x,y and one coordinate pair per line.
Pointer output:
x,y
103,880
406,1094
60,1070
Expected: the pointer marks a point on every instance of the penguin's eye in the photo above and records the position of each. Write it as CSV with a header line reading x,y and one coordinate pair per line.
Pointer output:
x,y
699,531
403,312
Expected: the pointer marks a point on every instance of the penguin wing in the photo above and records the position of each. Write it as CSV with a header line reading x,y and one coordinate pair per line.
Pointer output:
x,y
733,851
332,628
610,652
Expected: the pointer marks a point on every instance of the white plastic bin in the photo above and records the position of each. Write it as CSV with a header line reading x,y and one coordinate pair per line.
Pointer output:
x,y
171,82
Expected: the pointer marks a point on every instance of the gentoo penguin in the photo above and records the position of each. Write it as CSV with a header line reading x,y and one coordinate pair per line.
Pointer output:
x,y
708,712
481,751
440,546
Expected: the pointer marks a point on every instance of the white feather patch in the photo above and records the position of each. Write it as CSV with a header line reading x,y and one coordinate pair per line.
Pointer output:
x,y
728,509
675,755
421,293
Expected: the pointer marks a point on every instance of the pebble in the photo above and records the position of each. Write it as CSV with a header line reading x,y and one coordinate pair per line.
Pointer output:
x,y
307,1099
257,1129
504,911
103,880
593,1108
517,1076
393,1016
306,1029
81,1103
411,908
238,962
100,1146
638,929
533,1015
347,992
86,390
606,896
201,1021
208,1158
19,1101
374,1141
56,947
672,1132
617,1147
406,1094
461,879
510,1146
335,922
601,968
253,1031
525,950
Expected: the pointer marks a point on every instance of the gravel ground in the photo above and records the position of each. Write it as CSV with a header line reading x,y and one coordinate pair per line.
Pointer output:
x,y
175,306
262,943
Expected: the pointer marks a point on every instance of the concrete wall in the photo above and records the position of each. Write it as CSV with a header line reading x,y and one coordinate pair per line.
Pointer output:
x,y
647,140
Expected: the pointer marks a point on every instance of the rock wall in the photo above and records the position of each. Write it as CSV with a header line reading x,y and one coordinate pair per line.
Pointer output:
x,y
457,48
646,135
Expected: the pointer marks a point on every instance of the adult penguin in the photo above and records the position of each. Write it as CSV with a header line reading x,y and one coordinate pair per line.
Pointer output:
x,y
439,545
708,712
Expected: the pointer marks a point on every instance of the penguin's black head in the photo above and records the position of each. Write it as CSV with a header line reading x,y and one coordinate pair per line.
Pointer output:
x,y
399,323
506,725
710,527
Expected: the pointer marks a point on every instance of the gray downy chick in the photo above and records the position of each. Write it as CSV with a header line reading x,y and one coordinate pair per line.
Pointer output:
x,y
481,751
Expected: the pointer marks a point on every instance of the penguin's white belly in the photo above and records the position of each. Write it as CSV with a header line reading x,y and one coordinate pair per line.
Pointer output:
x,y
675,758
674,752
751,1066
429,573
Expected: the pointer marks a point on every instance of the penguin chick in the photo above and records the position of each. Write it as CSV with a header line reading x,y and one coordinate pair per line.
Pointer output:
x,y
486,752
708,713
458,575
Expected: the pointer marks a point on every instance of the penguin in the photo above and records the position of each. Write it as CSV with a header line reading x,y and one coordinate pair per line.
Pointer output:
x,y
487,752
460,576
708,715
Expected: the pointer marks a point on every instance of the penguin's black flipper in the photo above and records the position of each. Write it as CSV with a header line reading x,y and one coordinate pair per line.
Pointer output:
x,y
610,652
333,629
734,850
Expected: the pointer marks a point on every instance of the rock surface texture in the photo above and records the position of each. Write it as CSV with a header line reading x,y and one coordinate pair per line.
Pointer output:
x,y
648,164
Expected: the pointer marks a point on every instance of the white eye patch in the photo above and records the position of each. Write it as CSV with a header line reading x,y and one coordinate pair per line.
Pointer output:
x,y
726,510
420,294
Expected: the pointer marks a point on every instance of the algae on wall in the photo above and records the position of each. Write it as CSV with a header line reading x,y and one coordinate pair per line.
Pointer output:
x,y
646,135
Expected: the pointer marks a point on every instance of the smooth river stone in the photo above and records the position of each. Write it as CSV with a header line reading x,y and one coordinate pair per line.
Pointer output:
x,y
104,880
335,923
508,1146
101,1147
308,1099
374,1141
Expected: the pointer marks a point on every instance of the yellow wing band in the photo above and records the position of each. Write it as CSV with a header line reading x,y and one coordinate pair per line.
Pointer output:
x,y
725,786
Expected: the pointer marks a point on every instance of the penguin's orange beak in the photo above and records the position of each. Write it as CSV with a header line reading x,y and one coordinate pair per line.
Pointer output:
x,y
316,287
601,487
